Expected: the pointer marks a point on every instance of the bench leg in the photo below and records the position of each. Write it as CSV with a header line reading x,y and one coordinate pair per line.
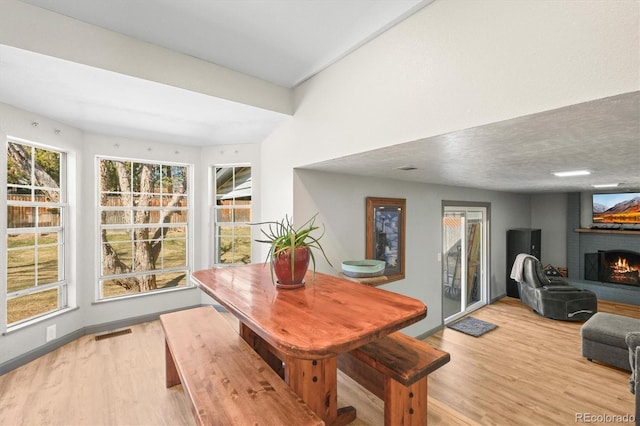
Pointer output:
x,y
405,405
171,372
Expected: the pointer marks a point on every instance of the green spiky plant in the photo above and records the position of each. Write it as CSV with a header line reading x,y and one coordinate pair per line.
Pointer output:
x,y
282,236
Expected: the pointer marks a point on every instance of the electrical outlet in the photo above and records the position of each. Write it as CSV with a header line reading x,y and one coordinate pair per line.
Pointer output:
x,y
439,257
51,332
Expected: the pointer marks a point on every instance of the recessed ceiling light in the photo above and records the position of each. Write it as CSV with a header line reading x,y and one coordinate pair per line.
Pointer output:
x,y
407,168
605,185
573,173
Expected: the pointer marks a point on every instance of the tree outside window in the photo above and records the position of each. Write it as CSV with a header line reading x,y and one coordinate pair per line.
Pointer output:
x,y
36,207
144,226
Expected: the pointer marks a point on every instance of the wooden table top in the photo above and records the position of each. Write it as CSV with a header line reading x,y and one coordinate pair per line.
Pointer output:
x,y
326,317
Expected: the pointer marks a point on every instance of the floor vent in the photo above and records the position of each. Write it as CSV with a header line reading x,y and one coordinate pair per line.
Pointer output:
x,y
113,333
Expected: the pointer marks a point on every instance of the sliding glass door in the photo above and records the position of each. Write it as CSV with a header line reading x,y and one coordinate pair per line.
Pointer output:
x,y
464,260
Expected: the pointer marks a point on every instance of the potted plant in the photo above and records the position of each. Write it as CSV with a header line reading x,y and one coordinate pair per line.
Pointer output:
x,y
291,249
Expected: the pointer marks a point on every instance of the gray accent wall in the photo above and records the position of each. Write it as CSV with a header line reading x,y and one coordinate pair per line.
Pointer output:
x,y
548,213
340,201
574,264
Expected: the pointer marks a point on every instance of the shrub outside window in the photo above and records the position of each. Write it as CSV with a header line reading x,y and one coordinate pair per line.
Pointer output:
x,y
36,208
232,214
144,226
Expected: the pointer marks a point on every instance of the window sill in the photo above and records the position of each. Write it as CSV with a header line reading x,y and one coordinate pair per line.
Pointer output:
x,y
38,320
145,294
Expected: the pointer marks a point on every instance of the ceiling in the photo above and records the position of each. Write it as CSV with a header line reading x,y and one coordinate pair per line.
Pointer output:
x,y
105,102
296,40
286,42
281,41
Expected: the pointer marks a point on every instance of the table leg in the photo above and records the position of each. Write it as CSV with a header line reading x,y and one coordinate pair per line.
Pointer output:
x,y
265,350
316,382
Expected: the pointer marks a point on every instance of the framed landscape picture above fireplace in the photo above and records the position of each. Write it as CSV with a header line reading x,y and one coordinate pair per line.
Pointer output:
x,y
620,207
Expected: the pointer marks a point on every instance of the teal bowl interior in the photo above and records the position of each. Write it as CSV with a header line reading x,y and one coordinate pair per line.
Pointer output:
x,y
363,268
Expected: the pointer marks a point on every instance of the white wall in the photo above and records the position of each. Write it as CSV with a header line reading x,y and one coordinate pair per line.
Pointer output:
x,y
82,149
340,202
549,213
453,65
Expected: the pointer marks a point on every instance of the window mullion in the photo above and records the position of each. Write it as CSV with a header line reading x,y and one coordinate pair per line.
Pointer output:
x,y
35,289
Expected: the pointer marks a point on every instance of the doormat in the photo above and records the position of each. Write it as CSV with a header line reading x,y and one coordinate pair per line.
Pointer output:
x,y
471,326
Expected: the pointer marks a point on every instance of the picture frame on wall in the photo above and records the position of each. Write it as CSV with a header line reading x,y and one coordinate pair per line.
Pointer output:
x,y
385,234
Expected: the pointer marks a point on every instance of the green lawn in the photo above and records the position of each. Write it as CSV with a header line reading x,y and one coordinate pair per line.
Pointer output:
x,y
31,305
173,255
21,269
235,246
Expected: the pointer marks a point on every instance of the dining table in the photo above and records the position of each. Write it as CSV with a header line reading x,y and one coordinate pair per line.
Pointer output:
x,y
300,332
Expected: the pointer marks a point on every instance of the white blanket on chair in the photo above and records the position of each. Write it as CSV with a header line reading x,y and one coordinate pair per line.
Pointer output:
x,y
518,266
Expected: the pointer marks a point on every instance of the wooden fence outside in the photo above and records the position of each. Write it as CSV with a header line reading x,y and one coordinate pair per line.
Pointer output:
x,y
25,217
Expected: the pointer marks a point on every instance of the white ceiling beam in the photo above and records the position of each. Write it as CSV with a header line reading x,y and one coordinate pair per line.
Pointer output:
x,y
31,28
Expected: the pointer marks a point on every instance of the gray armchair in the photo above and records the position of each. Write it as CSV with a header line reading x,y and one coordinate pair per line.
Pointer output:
x,y
633,342
555,300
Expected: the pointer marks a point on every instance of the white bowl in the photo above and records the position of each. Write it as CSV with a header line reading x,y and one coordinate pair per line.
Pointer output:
x,y
365,268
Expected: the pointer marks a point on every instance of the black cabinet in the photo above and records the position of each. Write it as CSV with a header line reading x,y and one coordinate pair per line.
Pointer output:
x,y
522,240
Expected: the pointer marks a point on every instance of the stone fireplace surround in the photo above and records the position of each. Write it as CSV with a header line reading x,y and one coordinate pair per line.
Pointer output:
x,y
587,278
581,243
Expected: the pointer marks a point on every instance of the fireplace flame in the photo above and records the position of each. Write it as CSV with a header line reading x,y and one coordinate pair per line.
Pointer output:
x,y
621,265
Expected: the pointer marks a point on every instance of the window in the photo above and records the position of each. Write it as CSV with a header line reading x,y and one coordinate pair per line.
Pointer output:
x,y
144,226
232,214
36,208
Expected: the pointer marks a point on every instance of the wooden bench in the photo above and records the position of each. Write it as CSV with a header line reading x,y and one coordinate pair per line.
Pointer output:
x,y
395,369
226,381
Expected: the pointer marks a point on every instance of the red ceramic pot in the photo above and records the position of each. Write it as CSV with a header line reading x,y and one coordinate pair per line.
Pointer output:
x,y
282,266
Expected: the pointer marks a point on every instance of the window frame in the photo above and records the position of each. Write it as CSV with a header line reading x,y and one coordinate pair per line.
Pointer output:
x,y
215,237
187,225
61,230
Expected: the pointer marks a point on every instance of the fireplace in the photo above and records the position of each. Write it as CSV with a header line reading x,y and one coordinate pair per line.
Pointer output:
x,y
613,266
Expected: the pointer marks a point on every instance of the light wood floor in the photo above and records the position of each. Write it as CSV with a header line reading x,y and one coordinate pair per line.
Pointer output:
x,y
529,371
